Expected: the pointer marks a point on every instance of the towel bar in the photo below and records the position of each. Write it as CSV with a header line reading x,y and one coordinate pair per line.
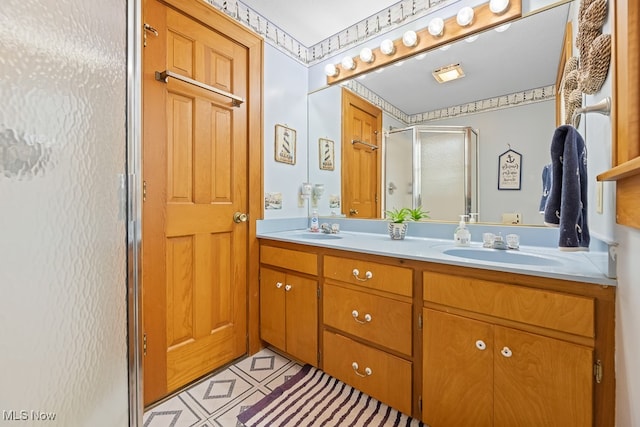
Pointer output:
x,y
602,107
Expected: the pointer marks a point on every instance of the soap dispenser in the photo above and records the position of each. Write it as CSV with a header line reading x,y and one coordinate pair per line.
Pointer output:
x,y
462,236
315,225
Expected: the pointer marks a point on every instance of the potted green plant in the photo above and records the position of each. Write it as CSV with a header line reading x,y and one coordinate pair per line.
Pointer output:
x,y
399,218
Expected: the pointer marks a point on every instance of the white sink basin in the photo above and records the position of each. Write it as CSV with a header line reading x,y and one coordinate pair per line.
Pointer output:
x,y
503,256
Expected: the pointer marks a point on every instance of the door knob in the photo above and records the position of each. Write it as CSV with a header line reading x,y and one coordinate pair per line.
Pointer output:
x,y
353,212
239,217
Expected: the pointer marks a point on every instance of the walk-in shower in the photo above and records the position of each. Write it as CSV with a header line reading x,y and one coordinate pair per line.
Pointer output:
x,y
435,167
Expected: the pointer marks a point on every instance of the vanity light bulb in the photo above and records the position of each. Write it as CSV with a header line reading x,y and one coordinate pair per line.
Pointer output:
x,y
348,63
331,70
436,27
465,16
366,55
387,47
498,6
410,38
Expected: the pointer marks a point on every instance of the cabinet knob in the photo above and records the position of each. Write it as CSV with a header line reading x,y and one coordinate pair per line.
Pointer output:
x,y
506,352
288,288
367,370
367,275
278,285
481,345
356,315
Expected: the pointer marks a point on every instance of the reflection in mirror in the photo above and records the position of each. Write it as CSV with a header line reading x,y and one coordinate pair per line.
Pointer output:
x,y
510,107
434,167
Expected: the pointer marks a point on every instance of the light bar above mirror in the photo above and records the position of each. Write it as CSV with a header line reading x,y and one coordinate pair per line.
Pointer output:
x,y
439,33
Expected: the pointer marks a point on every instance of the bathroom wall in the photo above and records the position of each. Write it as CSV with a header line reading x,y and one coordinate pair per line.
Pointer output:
x,y
63,318
285,103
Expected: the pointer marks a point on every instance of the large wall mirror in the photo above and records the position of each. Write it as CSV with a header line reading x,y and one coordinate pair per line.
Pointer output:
x,y
507,97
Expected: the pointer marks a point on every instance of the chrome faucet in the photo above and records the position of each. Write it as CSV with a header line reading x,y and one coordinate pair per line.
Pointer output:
x,y
329,229
492,241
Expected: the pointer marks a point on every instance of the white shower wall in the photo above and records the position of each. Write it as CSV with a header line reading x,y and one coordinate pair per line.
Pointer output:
x,y
63,326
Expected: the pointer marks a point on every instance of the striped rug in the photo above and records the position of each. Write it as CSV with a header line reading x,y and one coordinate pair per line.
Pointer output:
x,y
314,398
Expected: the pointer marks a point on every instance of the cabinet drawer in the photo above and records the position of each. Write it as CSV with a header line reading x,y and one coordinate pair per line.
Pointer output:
x,y
374,318
397,280
388,378
562,312
303,262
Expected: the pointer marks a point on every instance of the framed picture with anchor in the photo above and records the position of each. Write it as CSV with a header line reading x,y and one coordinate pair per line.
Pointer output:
x,y
285,145
509,170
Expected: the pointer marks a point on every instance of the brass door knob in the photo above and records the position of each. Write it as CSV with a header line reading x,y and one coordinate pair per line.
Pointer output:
x,y
239,217
353,212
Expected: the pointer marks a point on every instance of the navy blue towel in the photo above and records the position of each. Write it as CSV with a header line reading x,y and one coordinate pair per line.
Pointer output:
x,y
547,178
566,205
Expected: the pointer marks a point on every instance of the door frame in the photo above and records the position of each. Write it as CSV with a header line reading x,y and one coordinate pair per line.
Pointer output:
x,y
133,184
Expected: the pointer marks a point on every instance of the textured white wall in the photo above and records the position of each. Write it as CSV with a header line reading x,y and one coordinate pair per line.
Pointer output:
x,y
285,103
62,233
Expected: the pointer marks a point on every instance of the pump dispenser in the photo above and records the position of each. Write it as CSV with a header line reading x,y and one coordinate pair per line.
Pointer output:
x,y
462,236
315,225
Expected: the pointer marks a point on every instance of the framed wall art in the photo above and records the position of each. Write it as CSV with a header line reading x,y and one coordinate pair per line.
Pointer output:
x,y
327,156
285,145
509,170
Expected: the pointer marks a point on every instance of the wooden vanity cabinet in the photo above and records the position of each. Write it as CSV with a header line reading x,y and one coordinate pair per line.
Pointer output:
x,y
454,346
289,302
496,354
367,328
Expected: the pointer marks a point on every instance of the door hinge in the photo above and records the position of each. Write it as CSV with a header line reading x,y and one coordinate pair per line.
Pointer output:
x,y
318,291
597,371
319,357
376,198
420,404
144,191
144,344
420,322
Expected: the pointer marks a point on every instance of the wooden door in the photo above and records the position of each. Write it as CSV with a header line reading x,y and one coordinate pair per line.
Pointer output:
x,y
194,255
541,381
457,385
272,307
302,318
361,157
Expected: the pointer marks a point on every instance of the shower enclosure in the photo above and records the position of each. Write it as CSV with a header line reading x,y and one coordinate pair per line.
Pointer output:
x,y
435,167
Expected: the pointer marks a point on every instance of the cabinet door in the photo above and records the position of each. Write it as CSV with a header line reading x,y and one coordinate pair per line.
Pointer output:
x,y
302,318
541,381
457,386
272,307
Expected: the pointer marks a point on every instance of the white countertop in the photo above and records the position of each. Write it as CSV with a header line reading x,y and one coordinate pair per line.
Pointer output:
x,y
556,264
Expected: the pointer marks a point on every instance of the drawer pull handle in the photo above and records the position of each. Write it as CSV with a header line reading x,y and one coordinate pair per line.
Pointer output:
x,y
288,288
278,285
367,275
481,345
506,352
367,371
367,317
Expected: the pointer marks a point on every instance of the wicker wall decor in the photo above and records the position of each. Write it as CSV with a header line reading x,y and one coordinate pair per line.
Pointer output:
x,y
594,47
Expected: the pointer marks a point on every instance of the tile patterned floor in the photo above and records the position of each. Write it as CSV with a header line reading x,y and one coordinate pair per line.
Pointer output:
x,y
215,401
